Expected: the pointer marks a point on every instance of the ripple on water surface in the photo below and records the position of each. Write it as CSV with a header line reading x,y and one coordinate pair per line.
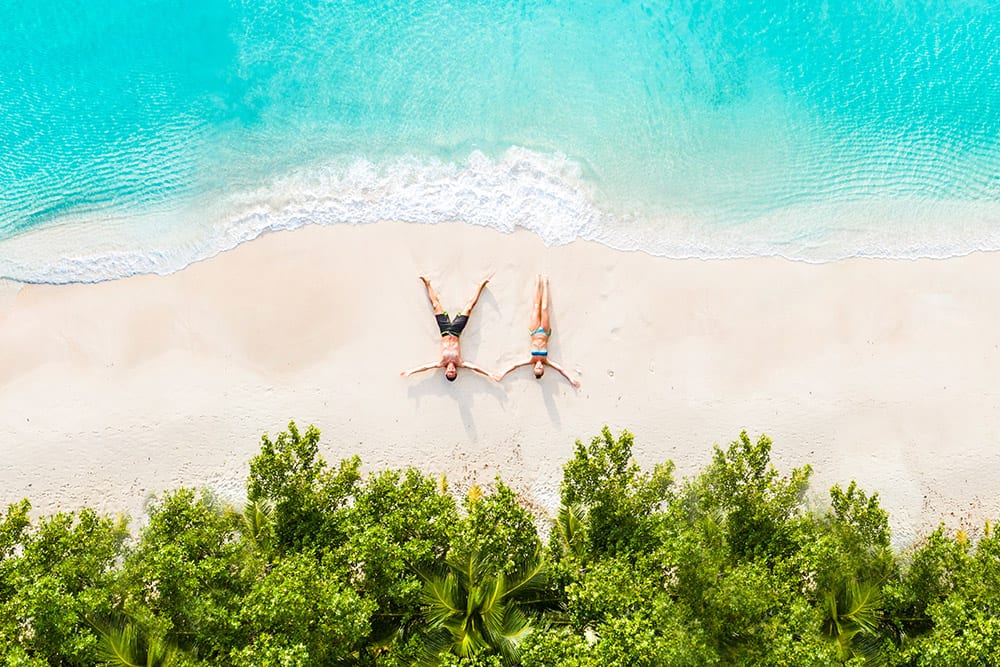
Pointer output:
x,y
141,136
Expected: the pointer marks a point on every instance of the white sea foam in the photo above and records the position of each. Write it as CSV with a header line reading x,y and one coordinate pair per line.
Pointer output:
x,y
546,194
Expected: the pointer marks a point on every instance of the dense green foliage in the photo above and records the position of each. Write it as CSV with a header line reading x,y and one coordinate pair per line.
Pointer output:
x,y
326,566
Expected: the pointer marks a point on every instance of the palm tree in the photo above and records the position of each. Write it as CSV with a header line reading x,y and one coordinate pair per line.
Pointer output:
x,y
852,616
125,644
256,524
572,526
469,611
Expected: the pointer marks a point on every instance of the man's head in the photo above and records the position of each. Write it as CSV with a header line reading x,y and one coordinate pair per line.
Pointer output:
x,y
451,372
539,369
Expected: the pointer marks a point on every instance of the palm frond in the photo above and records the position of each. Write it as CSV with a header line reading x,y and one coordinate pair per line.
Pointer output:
x,y
257,519
864,603
572,527
160,653
492,617
121,646
479,611
442,599
515,629
528,580
125,643
852,614
432,645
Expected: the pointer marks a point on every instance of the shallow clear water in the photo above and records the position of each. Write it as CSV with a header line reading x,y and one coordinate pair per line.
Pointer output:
x,y
141,136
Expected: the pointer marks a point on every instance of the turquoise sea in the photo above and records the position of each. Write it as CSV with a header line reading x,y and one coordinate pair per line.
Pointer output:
x,y
143,135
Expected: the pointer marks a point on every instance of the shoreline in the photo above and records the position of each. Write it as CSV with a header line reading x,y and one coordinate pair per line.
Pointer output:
x,y
881,371
118,246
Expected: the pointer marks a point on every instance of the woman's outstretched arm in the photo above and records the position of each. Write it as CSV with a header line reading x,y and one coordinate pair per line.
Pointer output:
x,y
575,383
512,368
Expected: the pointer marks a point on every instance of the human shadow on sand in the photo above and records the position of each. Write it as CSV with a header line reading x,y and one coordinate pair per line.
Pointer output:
x,y
548,386
549,391
464,391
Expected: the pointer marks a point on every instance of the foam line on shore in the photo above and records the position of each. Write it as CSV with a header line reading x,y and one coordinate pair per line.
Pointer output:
x,y
549,195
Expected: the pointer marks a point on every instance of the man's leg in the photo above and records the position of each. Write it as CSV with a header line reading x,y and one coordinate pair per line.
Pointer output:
x,y
472,303
435,301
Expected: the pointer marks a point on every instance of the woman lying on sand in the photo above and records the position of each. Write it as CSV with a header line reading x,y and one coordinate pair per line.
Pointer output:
x,y
540,332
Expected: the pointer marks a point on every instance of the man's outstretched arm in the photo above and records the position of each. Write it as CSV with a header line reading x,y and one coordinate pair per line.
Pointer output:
x,y
473,367
420,369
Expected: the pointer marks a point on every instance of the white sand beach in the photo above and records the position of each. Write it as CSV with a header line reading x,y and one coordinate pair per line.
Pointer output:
x,y
881,371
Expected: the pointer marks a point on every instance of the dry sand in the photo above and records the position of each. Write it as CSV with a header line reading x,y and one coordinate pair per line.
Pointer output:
x,y
885,372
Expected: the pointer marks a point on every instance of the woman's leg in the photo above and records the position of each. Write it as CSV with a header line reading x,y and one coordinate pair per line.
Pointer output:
x,y
536,305
544,314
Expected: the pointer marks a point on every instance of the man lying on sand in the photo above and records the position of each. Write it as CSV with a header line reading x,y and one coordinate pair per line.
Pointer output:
x,y
451,356
540,332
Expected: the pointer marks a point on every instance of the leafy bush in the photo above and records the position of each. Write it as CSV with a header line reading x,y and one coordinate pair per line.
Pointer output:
x,y
53,576
326,566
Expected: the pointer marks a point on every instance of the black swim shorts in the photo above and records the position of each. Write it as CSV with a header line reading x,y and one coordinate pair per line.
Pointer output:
x,y
451,327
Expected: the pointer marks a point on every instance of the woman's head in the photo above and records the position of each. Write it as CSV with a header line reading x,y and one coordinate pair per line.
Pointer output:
x,y
539,369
